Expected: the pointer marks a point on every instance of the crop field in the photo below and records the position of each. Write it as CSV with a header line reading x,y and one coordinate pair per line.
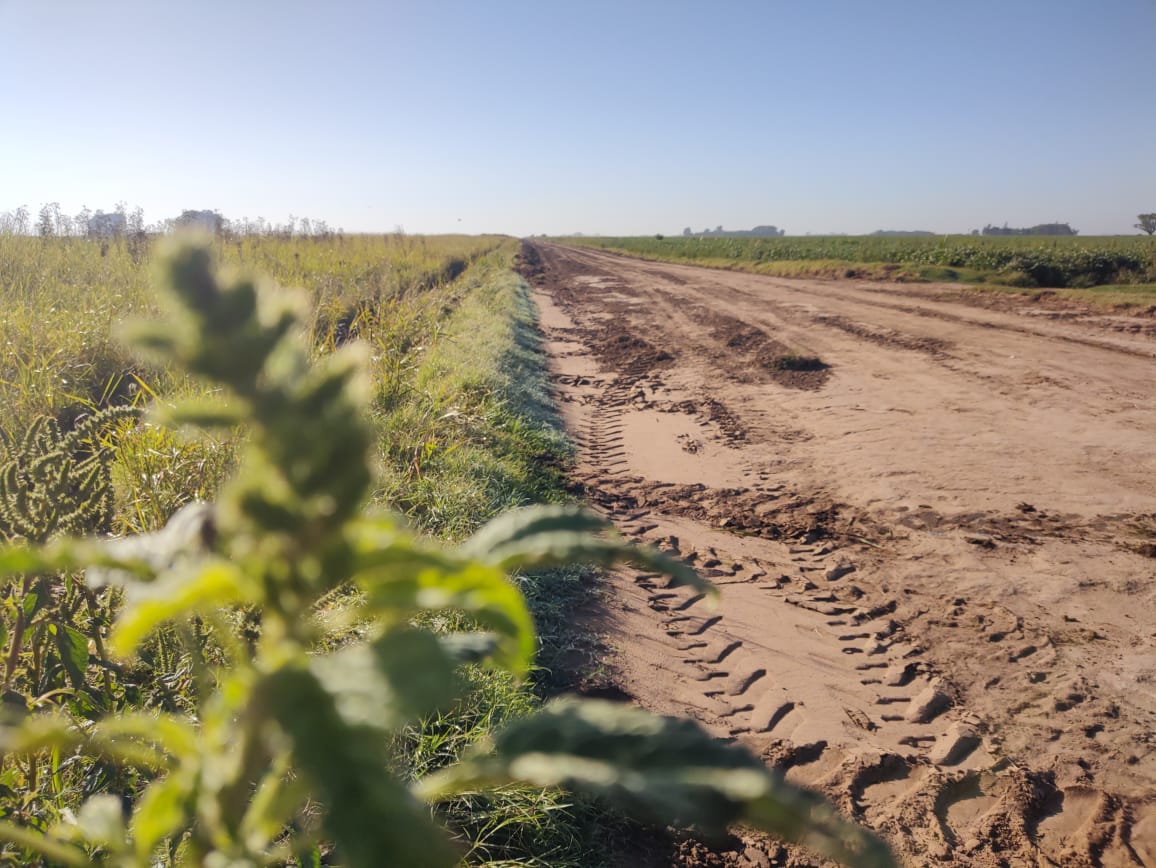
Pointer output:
x,y
462,432
1122,269
63,298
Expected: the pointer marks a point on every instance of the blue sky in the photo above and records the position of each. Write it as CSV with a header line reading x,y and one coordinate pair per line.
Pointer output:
x,y
613,117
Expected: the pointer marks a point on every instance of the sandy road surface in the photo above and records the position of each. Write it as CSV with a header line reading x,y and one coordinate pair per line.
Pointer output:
x,y
936,552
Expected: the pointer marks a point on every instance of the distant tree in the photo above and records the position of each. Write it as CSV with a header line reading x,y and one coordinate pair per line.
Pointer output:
x,y
136,222
14,222
106,226
1040,229
138,239
20,220
46,220
64,227
209,220
1147,223
81,221
763,232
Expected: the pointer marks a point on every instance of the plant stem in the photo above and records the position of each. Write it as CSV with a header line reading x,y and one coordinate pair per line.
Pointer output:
x,y
90,602
17,644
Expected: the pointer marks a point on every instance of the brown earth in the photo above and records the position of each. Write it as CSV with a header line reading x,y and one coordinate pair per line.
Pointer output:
x,y
932,519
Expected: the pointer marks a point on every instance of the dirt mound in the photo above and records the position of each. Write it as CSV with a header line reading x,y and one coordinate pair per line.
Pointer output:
x,y
757,352
626,352
529,264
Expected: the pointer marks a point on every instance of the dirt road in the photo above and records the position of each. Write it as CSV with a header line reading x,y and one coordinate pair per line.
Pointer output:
x,y
933,521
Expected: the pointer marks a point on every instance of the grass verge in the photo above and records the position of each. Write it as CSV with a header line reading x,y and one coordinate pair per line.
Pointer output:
x,y
477,434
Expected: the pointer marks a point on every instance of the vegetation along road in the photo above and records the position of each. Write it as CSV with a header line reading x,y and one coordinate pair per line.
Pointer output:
x,y
932,518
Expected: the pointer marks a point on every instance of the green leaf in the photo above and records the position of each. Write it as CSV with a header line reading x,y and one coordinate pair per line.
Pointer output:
x,y
559,548
400,677
29,604
373,819
544,536
101,821
170,734
26,735
468,647
69,555
211,584
152,339
277,798
73,647
183,540
162,811
657,768
142,740
19,559
401,577
511,528
201,414
484,593
51,849
84,706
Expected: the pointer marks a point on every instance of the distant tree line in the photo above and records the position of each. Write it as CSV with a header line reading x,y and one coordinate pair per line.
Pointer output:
x,y
1041,229
719,232
51,221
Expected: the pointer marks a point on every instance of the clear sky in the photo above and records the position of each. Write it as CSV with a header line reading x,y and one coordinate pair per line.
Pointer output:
x,y
624,117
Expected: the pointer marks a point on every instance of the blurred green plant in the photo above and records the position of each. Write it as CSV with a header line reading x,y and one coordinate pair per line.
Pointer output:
x,y
55,483
288,746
